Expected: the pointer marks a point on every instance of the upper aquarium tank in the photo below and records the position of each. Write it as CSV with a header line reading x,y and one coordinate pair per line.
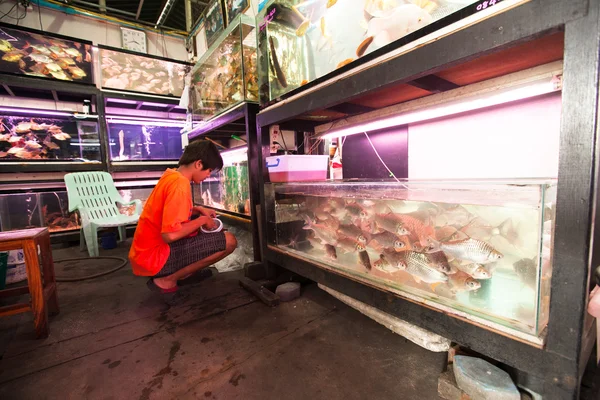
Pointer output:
x,y
226,75
140,73
37,54
301,41
480,250
47,136
227,189
144,140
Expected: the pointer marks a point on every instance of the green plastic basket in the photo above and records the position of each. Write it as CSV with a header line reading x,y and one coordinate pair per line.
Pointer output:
x,y
3,265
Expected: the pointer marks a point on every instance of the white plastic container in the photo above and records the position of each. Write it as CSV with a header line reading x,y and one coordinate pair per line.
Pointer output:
x,y
296,168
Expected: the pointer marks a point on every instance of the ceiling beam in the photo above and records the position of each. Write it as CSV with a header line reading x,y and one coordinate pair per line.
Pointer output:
x,y
139,11
103,8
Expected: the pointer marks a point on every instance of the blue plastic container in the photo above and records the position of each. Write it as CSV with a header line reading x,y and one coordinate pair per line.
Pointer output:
x,y
108,240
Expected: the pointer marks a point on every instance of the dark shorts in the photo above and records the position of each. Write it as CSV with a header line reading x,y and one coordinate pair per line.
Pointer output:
x,y
189,250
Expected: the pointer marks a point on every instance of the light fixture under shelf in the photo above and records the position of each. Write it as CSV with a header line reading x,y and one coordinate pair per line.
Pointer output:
x,y
489,98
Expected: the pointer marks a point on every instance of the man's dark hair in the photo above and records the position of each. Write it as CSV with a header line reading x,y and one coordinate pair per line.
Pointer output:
x,y
205,151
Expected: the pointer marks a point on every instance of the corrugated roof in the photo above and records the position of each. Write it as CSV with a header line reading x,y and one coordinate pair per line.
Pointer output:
x,y
147,11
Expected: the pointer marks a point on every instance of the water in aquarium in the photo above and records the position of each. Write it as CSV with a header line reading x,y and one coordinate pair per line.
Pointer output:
x,y
488,257
43,56
144,141
227,74
34,138
301,41
227,189
132,72
20,211
55,212
128,195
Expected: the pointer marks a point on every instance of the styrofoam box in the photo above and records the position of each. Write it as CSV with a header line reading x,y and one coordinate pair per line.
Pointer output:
x,y
295,168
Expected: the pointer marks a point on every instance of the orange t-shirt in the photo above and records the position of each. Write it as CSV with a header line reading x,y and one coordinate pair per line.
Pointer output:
x,y
169,205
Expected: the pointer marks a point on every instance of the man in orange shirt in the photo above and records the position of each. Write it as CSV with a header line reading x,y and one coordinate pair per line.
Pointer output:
x,y
167,245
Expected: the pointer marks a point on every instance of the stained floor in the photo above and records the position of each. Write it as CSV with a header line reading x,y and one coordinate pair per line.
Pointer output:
x,y
115,340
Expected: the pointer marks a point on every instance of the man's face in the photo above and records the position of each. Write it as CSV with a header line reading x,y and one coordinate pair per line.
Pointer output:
x,y
200,174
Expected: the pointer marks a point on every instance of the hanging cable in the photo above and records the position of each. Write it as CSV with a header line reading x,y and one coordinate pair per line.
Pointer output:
x,y
380,159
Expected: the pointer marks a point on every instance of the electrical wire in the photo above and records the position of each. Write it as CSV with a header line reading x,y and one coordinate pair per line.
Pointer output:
x,y
40,15
380,159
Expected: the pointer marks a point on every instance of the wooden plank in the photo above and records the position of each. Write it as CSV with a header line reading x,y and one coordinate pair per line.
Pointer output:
x,y
264,294
538,52
393,95
14,292
14,309
34,279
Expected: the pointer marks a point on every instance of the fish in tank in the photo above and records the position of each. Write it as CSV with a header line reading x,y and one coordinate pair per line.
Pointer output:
x,y
227,189
34,54
303,40
493,262
144,141
55,212
227,74
128,195
35,138
131,72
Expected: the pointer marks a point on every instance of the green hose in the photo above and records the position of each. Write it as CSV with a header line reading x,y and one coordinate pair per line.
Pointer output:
x,y
83,278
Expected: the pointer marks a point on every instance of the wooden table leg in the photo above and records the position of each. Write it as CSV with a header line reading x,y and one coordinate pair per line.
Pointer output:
x,y
34,280
48,269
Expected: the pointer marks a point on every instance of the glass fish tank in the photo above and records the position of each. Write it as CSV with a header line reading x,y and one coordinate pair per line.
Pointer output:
x,y
144,140
229,188
227,73
479,250
55,212
49,138
138,73
51,209
133,194
33,53
301,41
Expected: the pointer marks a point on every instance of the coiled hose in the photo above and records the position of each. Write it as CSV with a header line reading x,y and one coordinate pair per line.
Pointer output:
x,y
83,278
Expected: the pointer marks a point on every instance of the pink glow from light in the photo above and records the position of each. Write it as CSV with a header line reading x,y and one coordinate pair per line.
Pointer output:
x,y
32,111
450,108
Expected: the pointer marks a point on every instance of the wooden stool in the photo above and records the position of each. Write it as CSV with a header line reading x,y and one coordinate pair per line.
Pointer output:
x,y
43,293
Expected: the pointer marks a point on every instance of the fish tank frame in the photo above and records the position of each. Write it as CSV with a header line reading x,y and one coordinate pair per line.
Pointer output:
x,y
53,140
239,120
144,122
84,43
267,66
240,30
45,204
555,368
301,216
150,57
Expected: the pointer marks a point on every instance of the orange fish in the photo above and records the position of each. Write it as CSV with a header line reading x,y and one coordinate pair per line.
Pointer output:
x,y
418,230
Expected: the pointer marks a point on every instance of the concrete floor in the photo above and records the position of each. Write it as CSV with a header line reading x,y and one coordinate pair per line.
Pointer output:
x,y
115,340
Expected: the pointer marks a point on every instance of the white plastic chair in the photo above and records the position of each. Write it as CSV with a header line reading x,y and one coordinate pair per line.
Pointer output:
x,y
95,196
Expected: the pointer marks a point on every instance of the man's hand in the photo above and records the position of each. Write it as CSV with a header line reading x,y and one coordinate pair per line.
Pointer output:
x,y
207,212
208,223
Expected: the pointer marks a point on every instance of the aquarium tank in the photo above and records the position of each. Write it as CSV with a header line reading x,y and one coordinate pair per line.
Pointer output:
x,y
226,75
47,136
479,250
144,140
30,53
300,41
130,194
137,73
227,189
51,209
